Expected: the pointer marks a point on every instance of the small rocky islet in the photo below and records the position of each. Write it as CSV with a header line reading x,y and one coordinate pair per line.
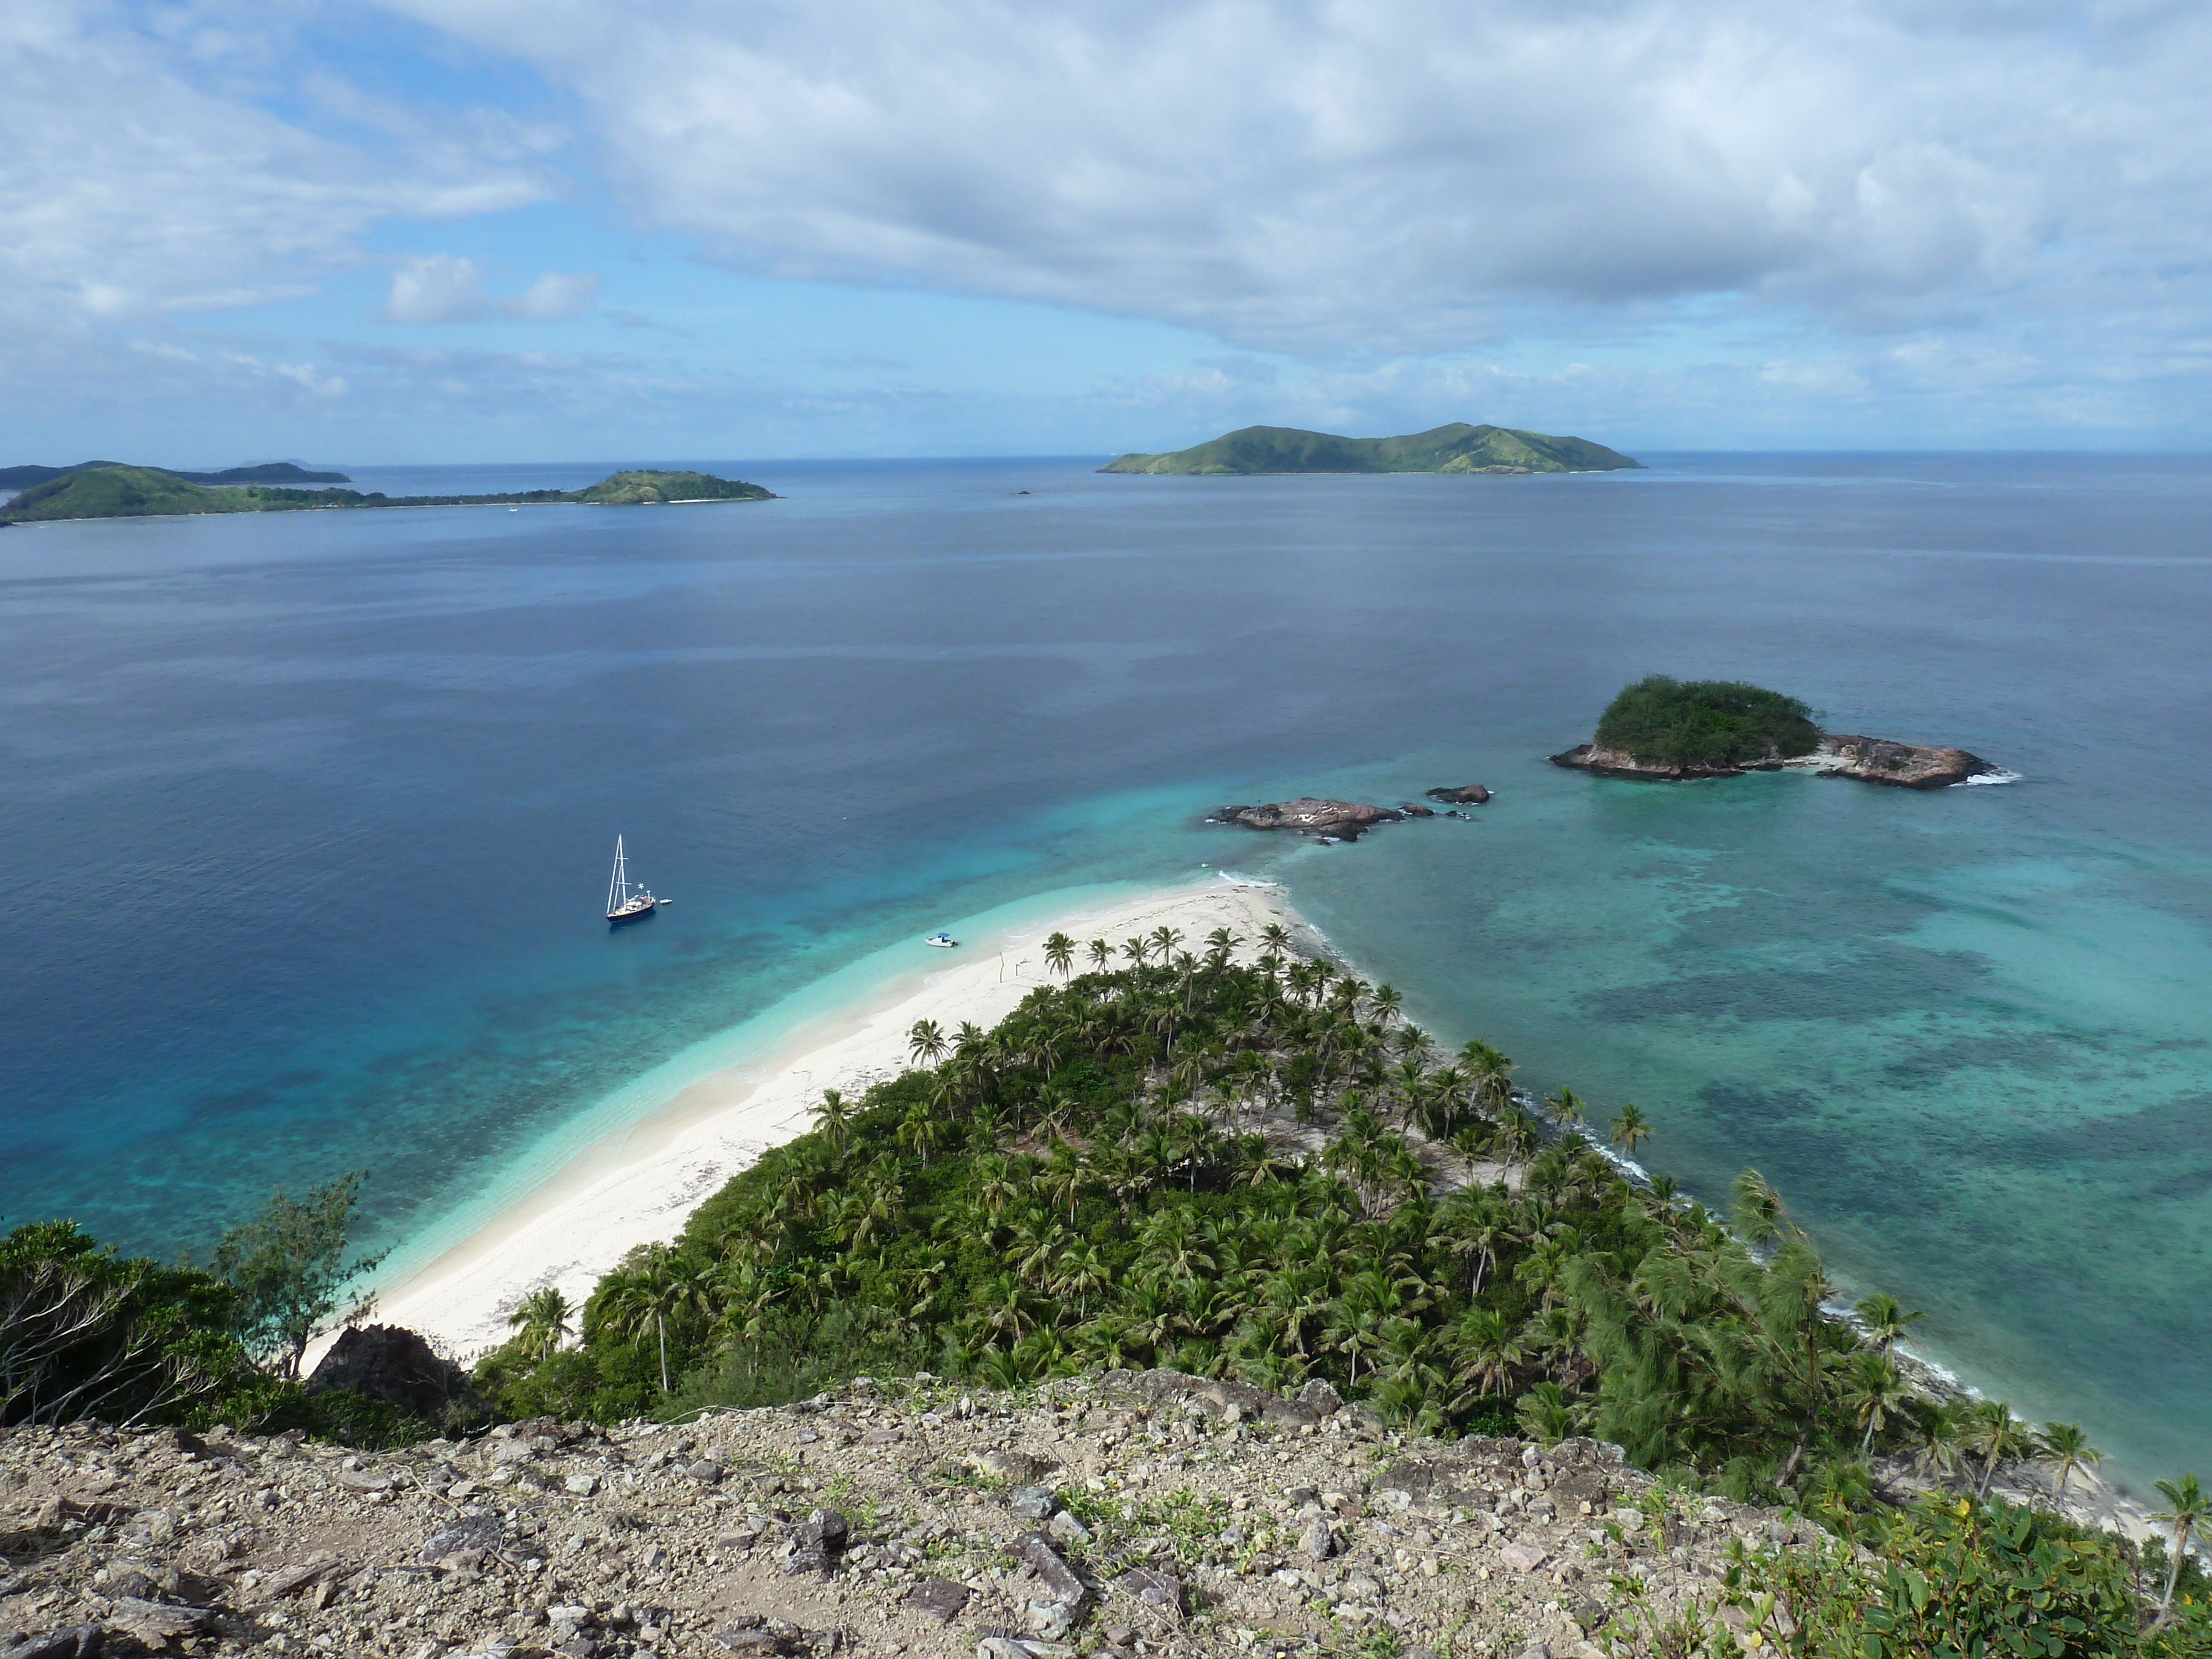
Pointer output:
x,y
1328,820
1662,730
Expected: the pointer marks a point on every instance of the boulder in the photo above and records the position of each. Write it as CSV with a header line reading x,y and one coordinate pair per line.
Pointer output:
x,y
1465,794
392,1364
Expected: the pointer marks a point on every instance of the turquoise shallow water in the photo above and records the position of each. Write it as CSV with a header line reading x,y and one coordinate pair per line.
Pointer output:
x,y
306,820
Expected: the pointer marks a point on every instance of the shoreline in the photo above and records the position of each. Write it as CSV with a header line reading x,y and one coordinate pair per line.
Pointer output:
x,y
638,1183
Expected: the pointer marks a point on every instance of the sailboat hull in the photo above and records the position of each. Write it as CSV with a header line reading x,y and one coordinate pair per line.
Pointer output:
x,y
634,911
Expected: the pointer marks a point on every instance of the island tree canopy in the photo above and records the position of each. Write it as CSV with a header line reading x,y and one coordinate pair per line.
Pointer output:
x,y
1705,723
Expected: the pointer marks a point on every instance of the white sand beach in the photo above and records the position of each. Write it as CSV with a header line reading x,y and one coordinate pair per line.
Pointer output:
x,y
638,1186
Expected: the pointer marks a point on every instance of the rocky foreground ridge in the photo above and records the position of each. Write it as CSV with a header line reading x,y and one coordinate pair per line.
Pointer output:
x,y
1113,1515
1871,760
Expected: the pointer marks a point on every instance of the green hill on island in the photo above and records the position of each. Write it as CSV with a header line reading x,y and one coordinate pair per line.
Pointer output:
x,y
276,472
1704,723
1458,447
111,490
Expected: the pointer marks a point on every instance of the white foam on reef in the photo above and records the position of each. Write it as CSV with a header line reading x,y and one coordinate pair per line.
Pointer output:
x,y
1998,777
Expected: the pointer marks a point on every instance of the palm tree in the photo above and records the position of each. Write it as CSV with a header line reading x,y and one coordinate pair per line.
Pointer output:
x,y
1100,955
1275,937
1942,1433
926,1042
655,1290
1134,950
2000,1436
1885,1319
832,1120
1567,1107
2066,1447
540,1322
1488,1346
1386,999
1164,940
1629,1127
2186,1511
1874,1391
1081,1270
1491,1072
1059,953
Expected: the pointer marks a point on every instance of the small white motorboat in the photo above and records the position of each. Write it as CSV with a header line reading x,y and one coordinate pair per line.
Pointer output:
x,y
942,941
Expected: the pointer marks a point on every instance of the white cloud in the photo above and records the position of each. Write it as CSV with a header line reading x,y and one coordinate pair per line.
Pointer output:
x,y
140,175
1391,175
554,298
444,288
440,287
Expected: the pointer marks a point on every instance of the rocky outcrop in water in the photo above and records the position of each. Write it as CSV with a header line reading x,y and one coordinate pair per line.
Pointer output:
x,y
1871,760
1334,820
1466,794
902,1517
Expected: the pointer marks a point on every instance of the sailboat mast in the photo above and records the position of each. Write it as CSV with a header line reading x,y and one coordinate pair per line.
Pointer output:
x,y
618,885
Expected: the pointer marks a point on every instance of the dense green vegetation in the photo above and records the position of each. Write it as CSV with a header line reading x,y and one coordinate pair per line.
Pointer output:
x,y
107,490
1671,722
1089,1184
1941,1578
1458,447
87,1333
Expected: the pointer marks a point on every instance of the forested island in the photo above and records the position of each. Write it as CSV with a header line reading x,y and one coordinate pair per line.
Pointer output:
x,y
1458,447
1667,730
113,490
276,472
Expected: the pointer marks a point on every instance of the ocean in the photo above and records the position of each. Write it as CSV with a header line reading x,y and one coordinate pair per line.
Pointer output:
x,y
308,818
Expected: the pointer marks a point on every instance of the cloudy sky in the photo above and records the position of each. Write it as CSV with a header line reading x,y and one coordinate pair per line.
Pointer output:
x,y
425,230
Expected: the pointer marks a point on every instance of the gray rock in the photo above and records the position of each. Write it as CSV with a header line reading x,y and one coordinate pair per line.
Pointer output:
x,y
756,1640
480,1533
1523,1558
707,1472
1320,1398
579,1486
1152,1585
1001,1647
939,1599
1050,1619
392,1364
1317,1542
1017,1468
1066,1527
80,1642
1054,1574
824,1529
1032,1503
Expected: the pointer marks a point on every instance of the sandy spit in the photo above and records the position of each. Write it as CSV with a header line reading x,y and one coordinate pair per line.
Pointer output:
x,y
638,1185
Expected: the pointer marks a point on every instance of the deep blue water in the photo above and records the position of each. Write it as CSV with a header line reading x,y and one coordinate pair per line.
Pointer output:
x,y
306,820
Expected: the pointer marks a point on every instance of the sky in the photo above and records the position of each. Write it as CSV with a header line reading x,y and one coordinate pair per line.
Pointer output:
x,y
509,230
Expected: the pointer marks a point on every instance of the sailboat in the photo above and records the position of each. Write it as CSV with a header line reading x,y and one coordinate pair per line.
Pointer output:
x,y
625,902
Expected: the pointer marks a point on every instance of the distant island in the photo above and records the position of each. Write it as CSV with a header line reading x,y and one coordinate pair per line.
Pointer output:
x,y
109,490
1668,731
276,472
1458,447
